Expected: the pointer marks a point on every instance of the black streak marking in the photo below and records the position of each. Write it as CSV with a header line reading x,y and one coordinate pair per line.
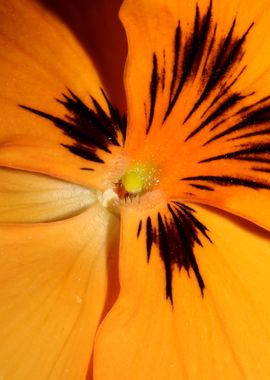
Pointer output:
x,y
229,181
153,92
149,237
221,109
263,170
92,130
201,187
193,52
242,154
229,53
252,134
177,44
163,78
254,118
89,169
165,254
139,229
177,233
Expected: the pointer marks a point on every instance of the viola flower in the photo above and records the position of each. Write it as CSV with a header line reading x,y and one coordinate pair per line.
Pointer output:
x,y
135,239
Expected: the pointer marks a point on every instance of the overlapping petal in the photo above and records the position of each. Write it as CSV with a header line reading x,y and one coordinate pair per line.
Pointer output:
x,y
30,198
223,333
201,112
45,70
54,291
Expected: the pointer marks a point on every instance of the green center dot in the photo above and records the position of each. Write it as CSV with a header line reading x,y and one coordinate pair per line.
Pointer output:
x,y
139,178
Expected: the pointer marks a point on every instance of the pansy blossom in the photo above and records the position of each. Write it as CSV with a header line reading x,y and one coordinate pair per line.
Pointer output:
x,y
135,239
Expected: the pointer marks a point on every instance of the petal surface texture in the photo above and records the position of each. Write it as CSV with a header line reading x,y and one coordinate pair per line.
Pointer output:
x,y
53,292
49,92
201,112
29,197
223,334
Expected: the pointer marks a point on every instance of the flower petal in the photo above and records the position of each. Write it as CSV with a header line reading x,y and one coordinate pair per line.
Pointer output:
x,y
97,26
53,292
222,333
202,108
29,197
46,82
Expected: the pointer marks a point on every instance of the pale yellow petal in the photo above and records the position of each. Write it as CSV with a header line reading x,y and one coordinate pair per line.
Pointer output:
x,y
29,197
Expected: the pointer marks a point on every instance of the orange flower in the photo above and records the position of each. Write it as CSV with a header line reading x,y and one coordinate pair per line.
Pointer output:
x,y
134,248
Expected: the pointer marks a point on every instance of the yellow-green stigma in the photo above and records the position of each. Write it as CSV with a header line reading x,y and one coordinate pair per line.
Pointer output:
x,y
139,178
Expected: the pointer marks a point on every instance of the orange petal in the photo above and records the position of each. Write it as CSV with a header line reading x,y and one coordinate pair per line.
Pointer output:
x,y
53,292
40,60
29,197
223,334
99,30
202,108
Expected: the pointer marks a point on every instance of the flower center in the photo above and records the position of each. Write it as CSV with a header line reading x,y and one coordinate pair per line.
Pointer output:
x,y
137,179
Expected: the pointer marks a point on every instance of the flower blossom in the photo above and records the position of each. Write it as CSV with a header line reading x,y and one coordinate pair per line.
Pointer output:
x,y
134,203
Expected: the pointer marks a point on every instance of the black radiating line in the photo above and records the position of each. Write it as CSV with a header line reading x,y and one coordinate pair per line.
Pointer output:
x,y
201,227
230,181
208,54
149,237
263,170
90,129
90,169
188,235
85,120
256,117
228,54
252,134
220,110
201,187
153,92
83,152
192,54
224,91
163,76
139,229
177,46
238,154
176,235
165,254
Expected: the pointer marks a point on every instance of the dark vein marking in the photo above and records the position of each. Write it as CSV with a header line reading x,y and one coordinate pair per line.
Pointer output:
x,y
139,229
177,233
228,54
220,110
90,169
163,77
177,44
229,181
252,134
218,62
201,187
257,117
225,90
153,92
92,130
165,254
193,52
243,154
149,237
263,170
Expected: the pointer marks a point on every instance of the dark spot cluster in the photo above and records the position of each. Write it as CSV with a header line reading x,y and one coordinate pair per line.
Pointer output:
x,y
175,233
228,117
92,129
